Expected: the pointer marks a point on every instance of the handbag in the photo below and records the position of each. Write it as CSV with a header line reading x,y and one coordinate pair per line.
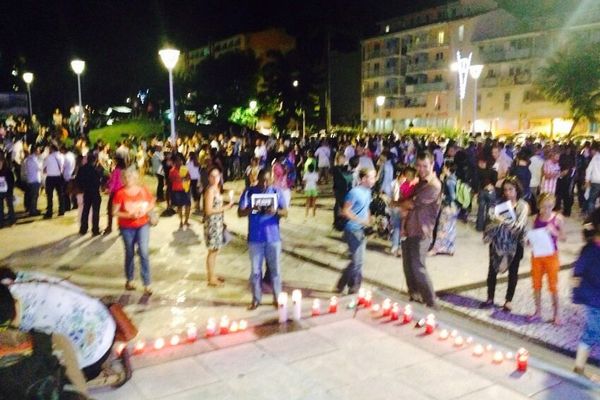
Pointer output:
x,y
126,330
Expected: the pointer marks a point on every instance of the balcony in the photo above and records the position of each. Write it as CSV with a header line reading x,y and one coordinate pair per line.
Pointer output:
x,y
427,87
381,73
391,52
504,55
394,91
427,66
523,78
415,103
489,82
426,45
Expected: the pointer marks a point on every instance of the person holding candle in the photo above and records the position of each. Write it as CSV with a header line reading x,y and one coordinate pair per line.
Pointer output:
x,y
586,291
506,236
214,211
356,211
264,239
547,265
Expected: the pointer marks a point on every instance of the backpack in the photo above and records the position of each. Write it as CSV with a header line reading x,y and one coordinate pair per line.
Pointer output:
x,y
463,194
39,376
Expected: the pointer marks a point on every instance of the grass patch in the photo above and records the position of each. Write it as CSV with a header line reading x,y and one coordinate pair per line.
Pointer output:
x,y
139,128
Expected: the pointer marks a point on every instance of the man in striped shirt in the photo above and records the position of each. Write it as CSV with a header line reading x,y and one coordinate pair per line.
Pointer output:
x,y
550,172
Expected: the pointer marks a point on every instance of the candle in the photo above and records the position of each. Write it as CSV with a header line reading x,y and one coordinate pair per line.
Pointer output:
x,y
159,343
224,325
509,355
333,303
395,312
368,299
386,307
361,297
469,340
444,334
243,325
430,324
282,300
352,305
174,340
297,304
478,350
459,341
119,348
211,327
233,328
408,314
454,333
375,309
522,359
316,307
139,346
192,333
498,357
489,347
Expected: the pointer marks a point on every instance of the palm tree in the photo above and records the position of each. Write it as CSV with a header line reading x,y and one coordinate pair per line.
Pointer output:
x,y
572,76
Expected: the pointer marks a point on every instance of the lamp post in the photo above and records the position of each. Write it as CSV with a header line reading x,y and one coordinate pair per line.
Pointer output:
x,y
380,101
169,58
475,72
28,78
78,66
253,107
295,84
462,66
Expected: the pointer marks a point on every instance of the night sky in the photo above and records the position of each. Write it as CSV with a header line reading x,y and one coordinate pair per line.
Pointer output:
x,y
119,40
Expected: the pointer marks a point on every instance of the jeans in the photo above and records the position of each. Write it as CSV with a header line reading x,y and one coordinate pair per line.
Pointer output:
x,y
591,332
54,183
396,226
90,200
141,237
8,197
352,274
418,282
594,193
33,192
513,275
485,199
271,253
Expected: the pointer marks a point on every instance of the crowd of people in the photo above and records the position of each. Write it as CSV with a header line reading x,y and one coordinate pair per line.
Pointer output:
x,y
411,191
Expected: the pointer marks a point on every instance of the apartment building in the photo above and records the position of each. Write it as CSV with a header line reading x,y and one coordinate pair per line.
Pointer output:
x,y
409,64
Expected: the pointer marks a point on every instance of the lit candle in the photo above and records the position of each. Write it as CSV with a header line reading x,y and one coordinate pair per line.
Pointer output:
x,y
211,327
333,303
444,334
159,343
368,299
429,324
454,333
119,348
297,304
316,307
192,333
243,325
224,325
489,348
375,309
386,307
498,357
174,340
408,314
469,340
478,350
395,312
509,355
233,328
139,346
361,297
282,300
522,359
459,341
352,305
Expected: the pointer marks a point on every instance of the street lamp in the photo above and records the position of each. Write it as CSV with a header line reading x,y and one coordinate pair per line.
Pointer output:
x,y
380,101
78,66
253,105
28,78
475,72
296,83
169,58
462,66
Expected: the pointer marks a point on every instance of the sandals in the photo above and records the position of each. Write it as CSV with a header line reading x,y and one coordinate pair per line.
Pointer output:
x,y
129,286
148,291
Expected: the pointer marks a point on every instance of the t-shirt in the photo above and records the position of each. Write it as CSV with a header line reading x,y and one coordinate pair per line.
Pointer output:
x,y
360,199
310,179
176,176
262,227
140,201
323,153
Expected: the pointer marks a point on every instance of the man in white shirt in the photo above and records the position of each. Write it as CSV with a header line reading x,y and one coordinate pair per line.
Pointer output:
x,y
158,171
323,154
592,179
53,167
122,152
33,177
260,152
349,152
68,169
536,163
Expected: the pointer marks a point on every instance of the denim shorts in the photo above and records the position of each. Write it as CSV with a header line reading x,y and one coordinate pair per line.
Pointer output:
x,y
591,331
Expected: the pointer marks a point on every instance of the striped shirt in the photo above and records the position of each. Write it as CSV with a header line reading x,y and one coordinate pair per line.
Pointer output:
x,y
551,171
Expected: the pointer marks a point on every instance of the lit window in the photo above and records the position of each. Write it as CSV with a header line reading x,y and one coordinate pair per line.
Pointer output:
x,y
441,37
461,33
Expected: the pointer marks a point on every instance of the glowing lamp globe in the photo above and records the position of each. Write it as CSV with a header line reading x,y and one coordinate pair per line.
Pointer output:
x,y
475,71
380,100
78,66
28,77
169,57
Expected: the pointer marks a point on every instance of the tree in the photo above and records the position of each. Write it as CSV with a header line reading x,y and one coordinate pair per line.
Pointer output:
x,y
290,86
572,76
228,81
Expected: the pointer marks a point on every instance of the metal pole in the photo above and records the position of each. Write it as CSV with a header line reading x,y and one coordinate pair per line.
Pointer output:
x,y
474,104
173,135
303,123
29,96
80,105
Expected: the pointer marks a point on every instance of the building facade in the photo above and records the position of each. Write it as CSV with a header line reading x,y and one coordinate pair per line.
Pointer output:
x,y
408,66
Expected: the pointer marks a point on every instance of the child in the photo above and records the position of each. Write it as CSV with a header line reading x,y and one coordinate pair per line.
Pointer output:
x,y
252,172
586,291
547,265
310,188
402,187
407,189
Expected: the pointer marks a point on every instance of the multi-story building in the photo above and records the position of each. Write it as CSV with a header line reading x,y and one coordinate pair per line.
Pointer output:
x,y
409,64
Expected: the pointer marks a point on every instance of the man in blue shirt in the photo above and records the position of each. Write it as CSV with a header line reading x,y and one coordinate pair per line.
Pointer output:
x,y
356,211
264,240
